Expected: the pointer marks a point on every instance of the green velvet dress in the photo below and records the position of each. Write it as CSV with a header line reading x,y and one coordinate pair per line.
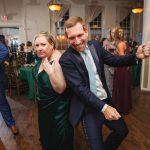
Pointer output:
x,y
55,130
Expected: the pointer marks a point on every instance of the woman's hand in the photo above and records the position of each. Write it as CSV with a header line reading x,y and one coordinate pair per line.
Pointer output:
x,y
54,72
47,67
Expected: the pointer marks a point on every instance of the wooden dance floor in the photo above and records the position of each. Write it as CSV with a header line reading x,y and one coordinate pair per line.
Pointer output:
x,y
25,114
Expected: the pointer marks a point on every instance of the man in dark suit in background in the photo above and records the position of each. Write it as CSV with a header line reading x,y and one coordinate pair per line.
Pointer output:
x,y
4,106
91,102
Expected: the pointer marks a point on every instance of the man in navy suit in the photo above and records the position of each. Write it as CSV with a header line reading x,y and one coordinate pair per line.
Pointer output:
x,y
93,109
4,106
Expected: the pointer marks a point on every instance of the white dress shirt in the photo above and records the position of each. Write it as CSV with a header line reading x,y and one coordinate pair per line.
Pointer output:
x,y
101,93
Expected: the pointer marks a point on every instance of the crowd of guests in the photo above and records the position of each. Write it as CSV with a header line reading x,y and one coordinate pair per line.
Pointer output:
x,y
120,80
72,88
24,54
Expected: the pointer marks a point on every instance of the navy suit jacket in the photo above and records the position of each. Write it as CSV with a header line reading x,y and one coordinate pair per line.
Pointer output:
x,y
3,56
77,78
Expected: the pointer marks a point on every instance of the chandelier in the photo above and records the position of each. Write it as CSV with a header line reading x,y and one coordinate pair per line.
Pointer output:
x,y
138,9
54,5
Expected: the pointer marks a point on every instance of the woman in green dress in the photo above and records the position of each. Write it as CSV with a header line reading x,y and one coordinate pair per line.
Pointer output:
x,y
56,133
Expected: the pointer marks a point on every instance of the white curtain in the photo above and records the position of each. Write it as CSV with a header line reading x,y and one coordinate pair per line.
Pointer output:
x,y
132,25
136,24
91,13
56,16
121,13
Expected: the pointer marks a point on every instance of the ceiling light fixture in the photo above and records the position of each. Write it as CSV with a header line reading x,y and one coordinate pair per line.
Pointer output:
x,y
54,5
138,9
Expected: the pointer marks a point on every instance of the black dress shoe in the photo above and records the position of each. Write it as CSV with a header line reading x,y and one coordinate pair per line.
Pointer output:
x,y
14,130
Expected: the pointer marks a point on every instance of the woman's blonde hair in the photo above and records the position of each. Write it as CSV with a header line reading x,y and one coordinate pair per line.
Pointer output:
x,y
48,36
120,34
113,29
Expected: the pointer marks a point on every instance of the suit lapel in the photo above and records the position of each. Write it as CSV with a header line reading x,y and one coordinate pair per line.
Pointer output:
x,y
79,61
95,58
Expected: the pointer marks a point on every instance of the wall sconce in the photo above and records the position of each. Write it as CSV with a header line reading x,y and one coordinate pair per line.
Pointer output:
x,y
54,5
138,9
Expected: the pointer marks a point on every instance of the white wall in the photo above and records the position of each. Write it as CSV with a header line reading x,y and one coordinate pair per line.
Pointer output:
x,y
77,10
30,18
36,18
13,10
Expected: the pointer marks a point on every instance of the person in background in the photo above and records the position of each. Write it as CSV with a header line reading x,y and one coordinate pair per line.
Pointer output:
x,y
97,38
122,77
109,45
136,69
83,67
4,106
52,97
10,58
109,71
14,47
111,39
22,47
29,53
21,55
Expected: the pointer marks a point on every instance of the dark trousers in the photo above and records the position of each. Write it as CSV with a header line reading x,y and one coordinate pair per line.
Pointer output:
x,y
4,107
92,125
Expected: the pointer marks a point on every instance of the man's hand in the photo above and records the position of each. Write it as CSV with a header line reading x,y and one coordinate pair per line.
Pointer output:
x,y
147,49
111,113
143,51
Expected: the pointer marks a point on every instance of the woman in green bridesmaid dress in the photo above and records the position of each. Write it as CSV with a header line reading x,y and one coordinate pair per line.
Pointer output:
x,y
56,133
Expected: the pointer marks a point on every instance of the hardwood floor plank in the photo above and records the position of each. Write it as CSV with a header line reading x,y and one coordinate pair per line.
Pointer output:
x,y
2,147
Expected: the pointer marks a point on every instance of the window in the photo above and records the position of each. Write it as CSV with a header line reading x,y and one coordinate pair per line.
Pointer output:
x,y
61,41
95,27
125,25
